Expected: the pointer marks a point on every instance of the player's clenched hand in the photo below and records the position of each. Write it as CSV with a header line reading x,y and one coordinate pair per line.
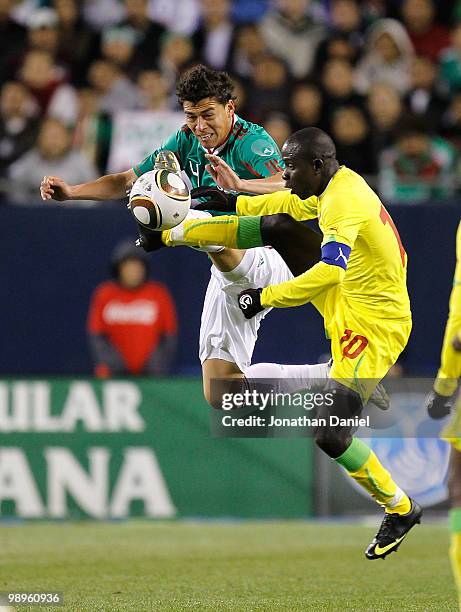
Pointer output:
x,y
54,188
438,406
216,199
250,302
222,173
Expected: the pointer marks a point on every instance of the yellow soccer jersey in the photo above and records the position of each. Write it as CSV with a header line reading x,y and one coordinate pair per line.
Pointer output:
x,y
450,366
349,213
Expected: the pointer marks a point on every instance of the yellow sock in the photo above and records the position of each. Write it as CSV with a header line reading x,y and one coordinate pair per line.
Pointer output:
x,y
365,468
455,548
455,558
228,231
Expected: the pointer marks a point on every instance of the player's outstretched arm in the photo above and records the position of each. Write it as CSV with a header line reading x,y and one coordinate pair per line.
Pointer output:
x,y
108,187
303,288
295,292
226,178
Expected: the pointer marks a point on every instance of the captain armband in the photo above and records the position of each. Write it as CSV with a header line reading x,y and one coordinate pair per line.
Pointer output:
x,y
336,254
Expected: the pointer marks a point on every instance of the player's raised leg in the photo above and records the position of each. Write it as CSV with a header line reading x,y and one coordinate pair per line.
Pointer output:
x,y
361,463
298,245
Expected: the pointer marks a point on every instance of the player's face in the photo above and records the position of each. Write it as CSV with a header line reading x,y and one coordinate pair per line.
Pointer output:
x,y
209,120
299,174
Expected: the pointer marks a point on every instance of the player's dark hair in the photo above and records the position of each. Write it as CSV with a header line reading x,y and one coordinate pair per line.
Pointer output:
x,y
202,82
313,143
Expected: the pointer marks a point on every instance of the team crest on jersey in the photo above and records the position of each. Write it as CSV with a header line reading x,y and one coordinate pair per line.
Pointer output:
x,y
263,148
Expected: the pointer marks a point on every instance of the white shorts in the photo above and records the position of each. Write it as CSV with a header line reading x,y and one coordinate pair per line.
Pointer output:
x,y
224,331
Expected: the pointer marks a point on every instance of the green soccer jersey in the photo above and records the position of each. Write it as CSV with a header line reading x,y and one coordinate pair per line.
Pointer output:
x,y
248,150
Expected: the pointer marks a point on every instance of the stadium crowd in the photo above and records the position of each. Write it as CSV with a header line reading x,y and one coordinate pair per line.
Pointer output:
x,y
382,77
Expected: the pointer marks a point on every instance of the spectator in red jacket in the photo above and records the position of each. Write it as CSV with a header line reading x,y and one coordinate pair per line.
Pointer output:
x,y
132,321
429,38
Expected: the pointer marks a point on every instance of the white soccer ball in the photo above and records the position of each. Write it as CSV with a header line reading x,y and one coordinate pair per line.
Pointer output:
x,y
159,200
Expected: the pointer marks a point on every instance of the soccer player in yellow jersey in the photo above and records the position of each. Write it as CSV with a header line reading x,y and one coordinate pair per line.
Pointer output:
x,y
439,403
358,285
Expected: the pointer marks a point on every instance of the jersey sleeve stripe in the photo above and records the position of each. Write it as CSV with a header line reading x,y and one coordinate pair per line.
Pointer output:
x,y
252,170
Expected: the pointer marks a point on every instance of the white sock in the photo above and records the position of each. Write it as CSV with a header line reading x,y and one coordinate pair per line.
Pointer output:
x,y
289,378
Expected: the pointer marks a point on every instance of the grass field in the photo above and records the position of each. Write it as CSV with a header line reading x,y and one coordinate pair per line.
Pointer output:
x,y
257,566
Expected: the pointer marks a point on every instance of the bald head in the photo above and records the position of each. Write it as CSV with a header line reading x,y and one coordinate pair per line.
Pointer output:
x,y
310,161
312,143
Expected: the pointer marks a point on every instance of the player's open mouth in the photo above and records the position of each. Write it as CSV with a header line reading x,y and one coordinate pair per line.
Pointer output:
x,y
206,138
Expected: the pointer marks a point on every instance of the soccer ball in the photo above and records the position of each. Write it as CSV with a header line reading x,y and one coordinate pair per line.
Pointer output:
x,y
159,200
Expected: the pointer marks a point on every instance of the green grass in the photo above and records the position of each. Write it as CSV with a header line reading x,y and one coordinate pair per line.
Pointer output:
x,y
250,566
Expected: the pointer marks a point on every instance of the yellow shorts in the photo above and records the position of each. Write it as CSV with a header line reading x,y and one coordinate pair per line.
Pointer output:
x,y
363,348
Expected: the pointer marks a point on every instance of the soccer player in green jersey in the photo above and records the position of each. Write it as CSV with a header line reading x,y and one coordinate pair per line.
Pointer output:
x,y
214,129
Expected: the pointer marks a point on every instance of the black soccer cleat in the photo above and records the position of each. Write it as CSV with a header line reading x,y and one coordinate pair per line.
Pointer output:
x,y
149,240
393,530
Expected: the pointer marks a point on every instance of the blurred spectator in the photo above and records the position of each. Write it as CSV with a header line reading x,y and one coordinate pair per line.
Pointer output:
x,y
346,19
43,31
306,106
451,121
418,167
131,321
116,91
12,36
336,46
46,82
351,134
292,34
180,16
177,52
428,37
249,46
345,38
146,34
101,14
52,155
338,86
278,126
93,129
385,110
18,127
424,99
214,40
387,57
268,90
42,35
118,45
76,41
154,90
450,62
